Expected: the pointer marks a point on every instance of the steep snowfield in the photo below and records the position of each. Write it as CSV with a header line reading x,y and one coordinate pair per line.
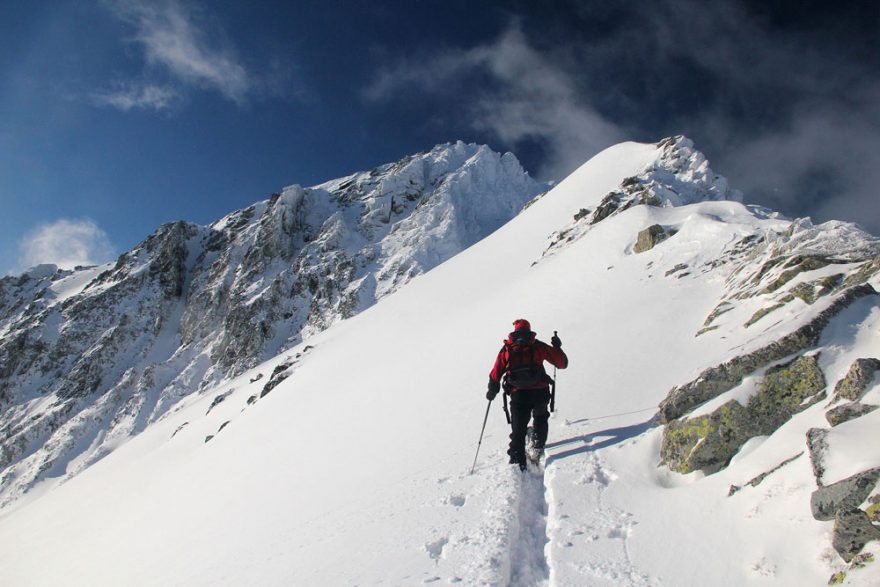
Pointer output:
x,y
89,358
354,469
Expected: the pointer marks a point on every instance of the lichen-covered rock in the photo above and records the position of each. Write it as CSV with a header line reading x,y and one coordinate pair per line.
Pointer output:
x,y
717,380
786,390
873,509
854,385
868,270
761,313
846,494
796,265
847,412
852,531
708,442
648,238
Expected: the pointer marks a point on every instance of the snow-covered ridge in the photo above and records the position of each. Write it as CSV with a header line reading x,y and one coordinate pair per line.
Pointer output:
x,y
91,357
678,175
365,434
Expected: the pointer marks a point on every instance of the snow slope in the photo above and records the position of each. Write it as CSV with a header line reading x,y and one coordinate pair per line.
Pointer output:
x,y
91,357
353,469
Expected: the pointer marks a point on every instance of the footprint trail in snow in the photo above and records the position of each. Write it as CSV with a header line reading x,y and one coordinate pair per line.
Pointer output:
x,y
588,536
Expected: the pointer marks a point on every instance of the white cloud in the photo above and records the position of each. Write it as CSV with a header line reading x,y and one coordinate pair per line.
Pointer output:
x,y
175,39
66,243
131,96
531,98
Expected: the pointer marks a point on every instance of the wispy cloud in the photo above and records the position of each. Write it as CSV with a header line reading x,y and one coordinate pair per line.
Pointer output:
x,y
528,97
138,96
790,115
176,39
66,243
795,119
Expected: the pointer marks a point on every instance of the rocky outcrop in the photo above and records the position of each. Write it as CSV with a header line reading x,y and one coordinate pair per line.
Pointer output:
x,y
708,442
852,531
847,412
111,349
717,380
841,501
844,495
680,175
854,385
648,238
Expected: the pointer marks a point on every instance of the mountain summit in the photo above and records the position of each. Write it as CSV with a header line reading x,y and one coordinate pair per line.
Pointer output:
x,y
90,357
716,424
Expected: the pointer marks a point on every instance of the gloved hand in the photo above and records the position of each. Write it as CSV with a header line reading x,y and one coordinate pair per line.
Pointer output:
x,y
557,344
494,387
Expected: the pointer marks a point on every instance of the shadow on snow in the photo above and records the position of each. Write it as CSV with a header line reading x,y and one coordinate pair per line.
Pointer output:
x,y
598,440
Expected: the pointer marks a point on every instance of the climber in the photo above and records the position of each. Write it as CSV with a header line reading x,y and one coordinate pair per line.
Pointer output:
x,y
521,363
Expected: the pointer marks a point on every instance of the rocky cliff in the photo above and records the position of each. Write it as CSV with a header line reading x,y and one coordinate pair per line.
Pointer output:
x,y
90,357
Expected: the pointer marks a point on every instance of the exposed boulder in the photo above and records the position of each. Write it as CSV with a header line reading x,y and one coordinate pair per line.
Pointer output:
x,y
852,530
844,495
648,238
786,390
848,411
854,385
708,442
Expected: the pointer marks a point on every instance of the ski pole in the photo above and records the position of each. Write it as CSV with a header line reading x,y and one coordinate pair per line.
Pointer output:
x,y
553,387
485,419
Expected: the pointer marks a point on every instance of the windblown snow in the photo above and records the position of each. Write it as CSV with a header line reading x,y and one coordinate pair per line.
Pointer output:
x,y
345,460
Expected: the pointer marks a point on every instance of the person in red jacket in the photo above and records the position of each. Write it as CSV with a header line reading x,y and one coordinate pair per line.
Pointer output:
x,y
521,363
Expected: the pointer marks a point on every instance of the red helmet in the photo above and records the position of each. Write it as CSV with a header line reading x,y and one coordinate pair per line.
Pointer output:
x,y
522,324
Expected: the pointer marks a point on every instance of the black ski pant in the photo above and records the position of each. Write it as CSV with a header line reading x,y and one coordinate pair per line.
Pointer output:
x,y
524,405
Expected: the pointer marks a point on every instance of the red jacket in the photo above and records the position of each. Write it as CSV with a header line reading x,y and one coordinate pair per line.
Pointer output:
x,y
542,352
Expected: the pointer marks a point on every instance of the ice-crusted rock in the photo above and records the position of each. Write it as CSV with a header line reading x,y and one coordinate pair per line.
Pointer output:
x,y
817,444
112,348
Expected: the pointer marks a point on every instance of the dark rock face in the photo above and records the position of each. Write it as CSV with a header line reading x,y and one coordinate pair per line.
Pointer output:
x,y
844,495
847,412
708,442
717,380
854,385
852,531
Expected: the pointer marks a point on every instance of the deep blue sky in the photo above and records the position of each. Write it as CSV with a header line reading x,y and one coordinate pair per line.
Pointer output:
x,y
117,116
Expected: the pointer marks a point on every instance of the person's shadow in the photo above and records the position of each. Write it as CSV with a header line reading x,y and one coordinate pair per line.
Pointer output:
x,y
588,442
